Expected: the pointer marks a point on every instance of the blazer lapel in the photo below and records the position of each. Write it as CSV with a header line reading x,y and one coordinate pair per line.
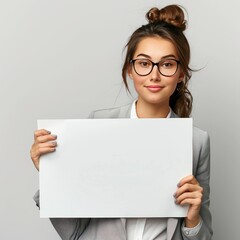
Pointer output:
x,y
125,112
123,220
171,227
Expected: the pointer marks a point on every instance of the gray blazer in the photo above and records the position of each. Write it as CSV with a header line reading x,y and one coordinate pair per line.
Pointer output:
x,y
114,229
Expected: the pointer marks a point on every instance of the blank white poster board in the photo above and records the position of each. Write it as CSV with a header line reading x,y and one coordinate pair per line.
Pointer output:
x,y
115,167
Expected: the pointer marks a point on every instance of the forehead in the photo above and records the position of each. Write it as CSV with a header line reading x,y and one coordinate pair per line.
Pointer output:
x,y
155,47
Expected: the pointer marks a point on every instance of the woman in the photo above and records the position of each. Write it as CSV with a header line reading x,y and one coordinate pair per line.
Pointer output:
x,y
157,61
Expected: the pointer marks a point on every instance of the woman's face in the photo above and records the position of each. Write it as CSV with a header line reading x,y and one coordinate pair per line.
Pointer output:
x,y
155,88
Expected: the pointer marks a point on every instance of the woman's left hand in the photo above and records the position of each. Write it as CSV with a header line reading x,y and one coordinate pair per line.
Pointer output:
x,y
190,192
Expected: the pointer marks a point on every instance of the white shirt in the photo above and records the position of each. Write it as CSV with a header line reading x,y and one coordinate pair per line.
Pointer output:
x,y
134,111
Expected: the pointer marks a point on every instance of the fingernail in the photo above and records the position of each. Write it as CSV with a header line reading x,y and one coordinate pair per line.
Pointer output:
x,y
48,132
54,135
54,143
174,195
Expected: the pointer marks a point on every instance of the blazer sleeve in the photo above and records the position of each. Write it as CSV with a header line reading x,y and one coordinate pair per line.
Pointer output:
x,y
201,170
67,228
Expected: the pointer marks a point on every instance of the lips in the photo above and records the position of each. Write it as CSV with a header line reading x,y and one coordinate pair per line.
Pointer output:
x,y
154,88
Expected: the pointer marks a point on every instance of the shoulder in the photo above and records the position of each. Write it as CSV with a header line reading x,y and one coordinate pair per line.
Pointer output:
x,y
116,112
200,137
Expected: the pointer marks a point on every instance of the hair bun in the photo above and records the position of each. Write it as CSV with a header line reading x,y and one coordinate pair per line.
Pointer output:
x,y
171,14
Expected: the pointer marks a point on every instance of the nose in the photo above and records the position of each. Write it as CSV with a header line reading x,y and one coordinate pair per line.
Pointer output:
x,y
155,74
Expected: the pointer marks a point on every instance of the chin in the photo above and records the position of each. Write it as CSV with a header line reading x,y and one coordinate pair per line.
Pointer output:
x,y
156,101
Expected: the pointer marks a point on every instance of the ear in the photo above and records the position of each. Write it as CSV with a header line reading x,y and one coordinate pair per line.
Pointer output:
x,y
181,77
130,72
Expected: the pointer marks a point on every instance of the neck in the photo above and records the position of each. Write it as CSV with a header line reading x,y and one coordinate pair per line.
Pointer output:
x,y
147,110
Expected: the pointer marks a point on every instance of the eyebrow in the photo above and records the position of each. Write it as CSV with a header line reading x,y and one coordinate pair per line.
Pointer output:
x,y
147,56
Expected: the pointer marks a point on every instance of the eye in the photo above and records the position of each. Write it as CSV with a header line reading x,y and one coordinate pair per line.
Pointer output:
x,y
168,64
143,63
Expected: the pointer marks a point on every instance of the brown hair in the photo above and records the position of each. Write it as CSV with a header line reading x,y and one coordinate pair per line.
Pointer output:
x,y
167,23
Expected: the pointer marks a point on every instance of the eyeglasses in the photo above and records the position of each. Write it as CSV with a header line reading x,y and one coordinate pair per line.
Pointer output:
x,y
166,67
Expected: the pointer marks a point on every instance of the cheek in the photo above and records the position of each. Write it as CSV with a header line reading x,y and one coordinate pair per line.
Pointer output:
x,y
172,84
173,81
138,82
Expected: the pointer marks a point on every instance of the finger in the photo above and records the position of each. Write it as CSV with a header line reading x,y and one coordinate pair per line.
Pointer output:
x,y
188,195
41,132
52,144
46,138
188,187
188,179
46,150
38,151
191,201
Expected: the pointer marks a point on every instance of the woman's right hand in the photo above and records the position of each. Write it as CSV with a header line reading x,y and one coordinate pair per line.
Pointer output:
x,y
44,142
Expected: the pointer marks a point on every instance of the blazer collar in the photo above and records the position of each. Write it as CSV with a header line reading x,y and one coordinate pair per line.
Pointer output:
x,y
173,115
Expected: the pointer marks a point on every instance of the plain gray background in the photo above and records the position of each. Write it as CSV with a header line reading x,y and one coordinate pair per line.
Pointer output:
x,y
63,58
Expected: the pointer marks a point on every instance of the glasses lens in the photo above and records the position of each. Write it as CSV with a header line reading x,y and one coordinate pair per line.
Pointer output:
x,y
168,67
142,66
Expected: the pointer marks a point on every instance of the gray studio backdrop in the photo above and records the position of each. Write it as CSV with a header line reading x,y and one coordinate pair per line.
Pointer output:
x,y
62,59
